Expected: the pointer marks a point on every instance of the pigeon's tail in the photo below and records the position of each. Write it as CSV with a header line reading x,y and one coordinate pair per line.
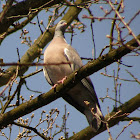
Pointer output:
x,y
95,118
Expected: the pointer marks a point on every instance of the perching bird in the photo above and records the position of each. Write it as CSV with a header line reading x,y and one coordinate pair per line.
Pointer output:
x,y
82,96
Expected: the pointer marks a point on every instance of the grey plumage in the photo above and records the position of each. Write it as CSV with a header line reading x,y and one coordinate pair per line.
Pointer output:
x,y
59,51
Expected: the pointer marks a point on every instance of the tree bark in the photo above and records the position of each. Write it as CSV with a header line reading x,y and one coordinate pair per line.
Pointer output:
x,y
112,119
70,82
34,51
21,9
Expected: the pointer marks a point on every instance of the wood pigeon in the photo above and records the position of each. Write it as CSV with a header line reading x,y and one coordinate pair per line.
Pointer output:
x,y
82,96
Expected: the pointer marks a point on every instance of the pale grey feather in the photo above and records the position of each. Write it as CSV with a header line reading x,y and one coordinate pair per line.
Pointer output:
x,y
59,51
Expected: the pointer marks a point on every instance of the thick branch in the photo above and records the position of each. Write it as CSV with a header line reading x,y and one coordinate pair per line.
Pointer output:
x,y
5,9
70,82
17,27
22,8
113,118
89,69
34,51
107,59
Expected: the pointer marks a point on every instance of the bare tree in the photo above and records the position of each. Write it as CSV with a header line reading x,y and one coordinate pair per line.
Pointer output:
x,y
123,43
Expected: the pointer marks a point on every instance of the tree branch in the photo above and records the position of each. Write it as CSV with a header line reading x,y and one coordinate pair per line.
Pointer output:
x,y
22,8
131,118
5,9
34,51
112,119
17,27
33,129
70,82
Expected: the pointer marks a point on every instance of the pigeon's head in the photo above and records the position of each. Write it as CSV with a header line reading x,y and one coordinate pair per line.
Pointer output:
x,y
61,26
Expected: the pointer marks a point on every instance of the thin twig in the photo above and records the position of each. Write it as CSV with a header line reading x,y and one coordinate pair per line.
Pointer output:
x,y
113,25
136,80
11,98
124,129
39,24
131,118
134,136
122,20
31,74
99,18
11,79
31,128
137,13
110,76
33,64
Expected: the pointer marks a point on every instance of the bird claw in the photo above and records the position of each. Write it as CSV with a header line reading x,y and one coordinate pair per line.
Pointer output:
x,y
59,82
62,81
54,86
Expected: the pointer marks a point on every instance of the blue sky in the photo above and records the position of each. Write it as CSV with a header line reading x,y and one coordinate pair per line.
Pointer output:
x,y
82,42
